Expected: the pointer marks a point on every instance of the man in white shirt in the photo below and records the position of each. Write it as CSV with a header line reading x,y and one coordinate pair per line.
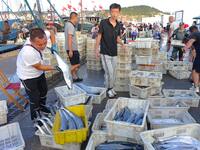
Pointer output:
x,y
30,71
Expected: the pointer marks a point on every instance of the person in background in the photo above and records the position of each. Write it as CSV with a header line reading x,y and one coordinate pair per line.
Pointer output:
x,y
194,40
123,32
5,31
134,32
108,37
95,30
71,46
172,27
30,70
179,34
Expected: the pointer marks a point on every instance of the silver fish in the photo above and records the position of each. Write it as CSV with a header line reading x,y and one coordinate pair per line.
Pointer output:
x,y
70,121
39,128
89,90
45,126
64,122
50,123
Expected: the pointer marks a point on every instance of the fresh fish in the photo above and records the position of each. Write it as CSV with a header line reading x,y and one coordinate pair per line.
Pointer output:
x,y
65,69
46,127
132,118
89,90
177,143
70,122
119,145
127,114
119,114
50,123
138,118
167,121
64,122
78,122
39,128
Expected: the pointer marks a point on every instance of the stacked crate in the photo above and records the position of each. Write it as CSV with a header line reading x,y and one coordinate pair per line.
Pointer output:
x,y
92,62
124,67
144,84
179,69
81,41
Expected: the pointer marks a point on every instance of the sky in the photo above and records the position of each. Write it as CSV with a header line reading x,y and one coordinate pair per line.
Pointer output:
x,y
190,7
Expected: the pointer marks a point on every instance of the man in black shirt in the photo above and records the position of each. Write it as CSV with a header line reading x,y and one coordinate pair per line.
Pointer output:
x,y
108,37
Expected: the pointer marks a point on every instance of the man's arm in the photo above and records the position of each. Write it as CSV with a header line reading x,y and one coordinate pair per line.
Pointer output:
x,y
41,67
190,43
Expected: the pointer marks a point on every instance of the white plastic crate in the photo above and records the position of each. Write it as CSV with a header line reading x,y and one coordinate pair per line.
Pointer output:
x,y
148,137
122,81
187,96
164,103
177,43
121,73
125,129
121,88
48,141
98,138
88,109
182,115
127,52
93,67
125,66
145,78
143,52
11,137
144,92
179,74
97,99
94,62
70,97
143,59
3,112
109,104
178,65
99,123
157,67
124,59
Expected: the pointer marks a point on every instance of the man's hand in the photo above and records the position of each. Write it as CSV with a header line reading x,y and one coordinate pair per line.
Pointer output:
x,y
70,53
124,47
193,55
97,54
54,48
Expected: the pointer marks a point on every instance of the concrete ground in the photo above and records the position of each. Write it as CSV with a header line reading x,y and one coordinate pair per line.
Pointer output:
x,y
92,78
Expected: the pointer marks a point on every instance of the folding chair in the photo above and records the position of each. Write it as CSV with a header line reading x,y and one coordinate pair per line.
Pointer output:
x,y
5,85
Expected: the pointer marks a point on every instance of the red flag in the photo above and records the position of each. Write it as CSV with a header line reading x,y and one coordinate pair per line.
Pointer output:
x,y
69,6
74,9
100,7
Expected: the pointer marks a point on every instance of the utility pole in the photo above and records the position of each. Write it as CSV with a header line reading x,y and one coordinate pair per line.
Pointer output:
x,y
39,10
81,15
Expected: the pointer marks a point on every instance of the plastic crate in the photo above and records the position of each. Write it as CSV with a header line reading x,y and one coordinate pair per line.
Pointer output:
x,y
99,123
11,137
143,52
179,74
94,62
98,138
166,114
164,103
71,136
144,92
145,78
48,141
122,73
178,65
121,88
125,66
97,99
109,104
148,137
125,129
143,59
3,112
187,96
122,81
127,52
177,43
157,67
124,59
88,109
93,67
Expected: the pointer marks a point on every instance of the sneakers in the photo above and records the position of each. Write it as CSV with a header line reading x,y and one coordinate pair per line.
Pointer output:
x,y
197,89
111,93
77,80
45,110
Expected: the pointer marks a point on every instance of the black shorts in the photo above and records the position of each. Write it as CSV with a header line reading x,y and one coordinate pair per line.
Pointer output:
x,y
75,60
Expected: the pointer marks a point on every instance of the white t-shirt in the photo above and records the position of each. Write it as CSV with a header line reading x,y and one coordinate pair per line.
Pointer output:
x,y
48,34
26,58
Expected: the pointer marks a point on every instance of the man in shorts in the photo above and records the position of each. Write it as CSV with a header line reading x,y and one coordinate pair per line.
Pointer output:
x,y
71,46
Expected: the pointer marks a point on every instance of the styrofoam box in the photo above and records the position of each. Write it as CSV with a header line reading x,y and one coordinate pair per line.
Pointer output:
x,y
166,114
98,122
149,137
3,112
143,59
125,129
98,138
144,92
11,137
179,74
70,97
187,96
97,99
178,65
145,78
164,103
121,88
48,141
